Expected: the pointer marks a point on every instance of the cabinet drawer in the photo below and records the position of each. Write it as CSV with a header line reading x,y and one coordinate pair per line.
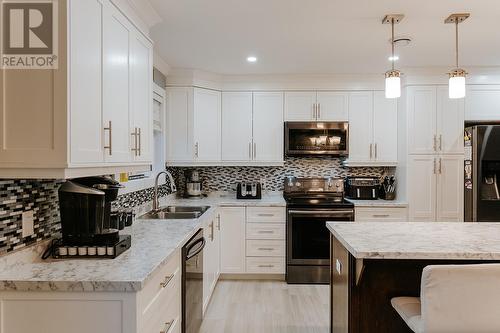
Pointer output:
x,y
163,314
162,282
265,230
382,214
271,265
265,248
266,214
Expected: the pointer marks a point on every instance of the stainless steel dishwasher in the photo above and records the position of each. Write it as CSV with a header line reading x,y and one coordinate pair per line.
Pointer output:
x,y
192,283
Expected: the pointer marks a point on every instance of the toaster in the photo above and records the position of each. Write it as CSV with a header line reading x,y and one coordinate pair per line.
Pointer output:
x,y
362,188
249,190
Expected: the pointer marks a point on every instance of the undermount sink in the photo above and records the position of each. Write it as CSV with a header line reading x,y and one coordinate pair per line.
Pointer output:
x,y
176,213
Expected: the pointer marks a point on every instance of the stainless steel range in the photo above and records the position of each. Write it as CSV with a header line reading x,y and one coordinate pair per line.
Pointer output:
x,y
311,202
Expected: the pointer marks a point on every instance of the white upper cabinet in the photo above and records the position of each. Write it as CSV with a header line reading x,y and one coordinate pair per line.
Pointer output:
x,y
207,125
482,102
179,124
422,120
268,126
316,106
237,126
85,49
435,122
82,114
332,106
141,69
116,80
385,128
300,106
361,126
450,123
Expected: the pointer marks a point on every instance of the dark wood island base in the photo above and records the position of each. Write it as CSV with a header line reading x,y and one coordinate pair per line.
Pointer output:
x,y
361,290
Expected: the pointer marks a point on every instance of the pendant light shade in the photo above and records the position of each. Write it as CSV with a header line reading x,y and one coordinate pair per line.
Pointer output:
x,y
392,77
456,83
392,84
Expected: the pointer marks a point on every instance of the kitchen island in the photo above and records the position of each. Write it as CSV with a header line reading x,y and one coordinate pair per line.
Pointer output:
x,y
373,262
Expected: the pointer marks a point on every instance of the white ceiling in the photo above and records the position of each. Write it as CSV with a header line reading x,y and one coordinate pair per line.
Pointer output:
x,y
321,36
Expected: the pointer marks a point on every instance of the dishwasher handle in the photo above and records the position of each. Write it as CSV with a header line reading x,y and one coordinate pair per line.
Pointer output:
x,y
198,250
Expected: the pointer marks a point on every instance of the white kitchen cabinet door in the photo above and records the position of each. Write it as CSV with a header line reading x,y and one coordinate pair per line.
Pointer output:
x,y
210,261
333,106
116,78
450,189
268,126
237,126
422,138
299,106
207,125
482,102
360,126
450,123
85,43
232,240
141,70
422,187
385,128
179,124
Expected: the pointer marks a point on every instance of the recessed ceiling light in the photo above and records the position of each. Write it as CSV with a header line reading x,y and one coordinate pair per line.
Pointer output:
x,y
393,58
252,59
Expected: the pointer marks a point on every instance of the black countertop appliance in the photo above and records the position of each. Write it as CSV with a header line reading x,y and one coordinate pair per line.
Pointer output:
x,y
362,188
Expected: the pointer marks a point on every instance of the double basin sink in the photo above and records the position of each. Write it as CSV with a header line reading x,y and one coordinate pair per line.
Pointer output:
x,y
176,213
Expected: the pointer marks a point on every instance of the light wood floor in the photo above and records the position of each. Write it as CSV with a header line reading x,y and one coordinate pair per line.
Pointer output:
x,y
267,307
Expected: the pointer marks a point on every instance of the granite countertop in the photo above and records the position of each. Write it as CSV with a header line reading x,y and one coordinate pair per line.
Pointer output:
x,y
379,203
153,244
419,240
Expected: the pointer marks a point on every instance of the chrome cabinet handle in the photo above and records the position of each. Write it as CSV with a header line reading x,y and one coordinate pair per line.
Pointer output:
x,y
167,327
254,151
265,214
371,150
212,231
135,141
380,215
218,222
266,266
265,249
440,142
376,150
110,146
440,165
266,232
139,145
196,149
434,166
167,280
250,151
319,111
314,111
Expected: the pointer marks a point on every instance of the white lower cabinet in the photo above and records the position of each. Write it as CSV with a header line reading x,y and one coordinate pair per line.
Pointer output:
x,y
381,214
435,188
211,257
232,240
156,308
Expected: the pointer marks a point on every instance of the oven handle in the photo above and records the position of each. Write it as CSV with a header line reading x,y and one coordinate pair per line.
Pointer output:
x,y
323,212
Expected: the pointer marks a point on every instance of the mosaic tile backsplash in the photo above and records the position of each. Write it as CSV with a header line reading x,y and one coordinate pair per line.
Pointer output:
x,y
272,178
40,196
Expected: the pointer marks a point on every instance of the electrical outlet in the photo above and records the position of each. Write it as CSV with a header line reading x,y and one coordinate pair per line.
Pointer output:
x,y
28,224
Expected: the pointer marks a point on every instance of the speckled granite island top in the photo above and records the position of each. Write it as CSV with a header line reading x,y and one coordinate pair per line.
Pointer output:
x,y
419,240
153,244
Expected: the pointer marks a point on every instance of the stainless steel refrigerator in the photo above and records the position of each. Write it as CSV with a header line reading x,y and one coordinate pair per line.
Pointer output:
x,y
482,173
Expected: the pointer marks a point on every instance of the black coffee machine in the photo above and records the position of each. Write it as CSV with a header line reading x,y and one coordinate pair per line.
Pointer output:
x,y
86,218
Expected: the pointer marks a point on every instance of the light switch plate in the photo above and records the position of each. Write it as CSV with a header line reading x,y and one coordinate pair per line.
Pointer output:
x,y
28,224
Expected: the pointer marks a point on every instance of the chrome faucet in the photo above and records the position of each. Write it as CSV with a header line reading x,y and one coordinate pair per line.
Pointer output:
x,y
173,188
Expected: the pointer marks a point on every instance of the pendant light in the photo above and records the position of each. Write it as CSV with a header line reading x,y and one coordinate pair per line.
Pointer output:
x,y
393,76
457,75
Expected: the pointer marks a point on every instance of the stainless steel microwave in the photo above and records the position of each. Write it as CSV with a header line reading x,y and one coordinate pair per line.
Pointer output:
x,y
316,138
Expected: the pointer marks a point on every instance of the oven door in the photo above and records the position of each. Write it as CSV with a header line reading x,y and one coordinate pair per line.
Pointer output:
x,y
316,138
308,238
